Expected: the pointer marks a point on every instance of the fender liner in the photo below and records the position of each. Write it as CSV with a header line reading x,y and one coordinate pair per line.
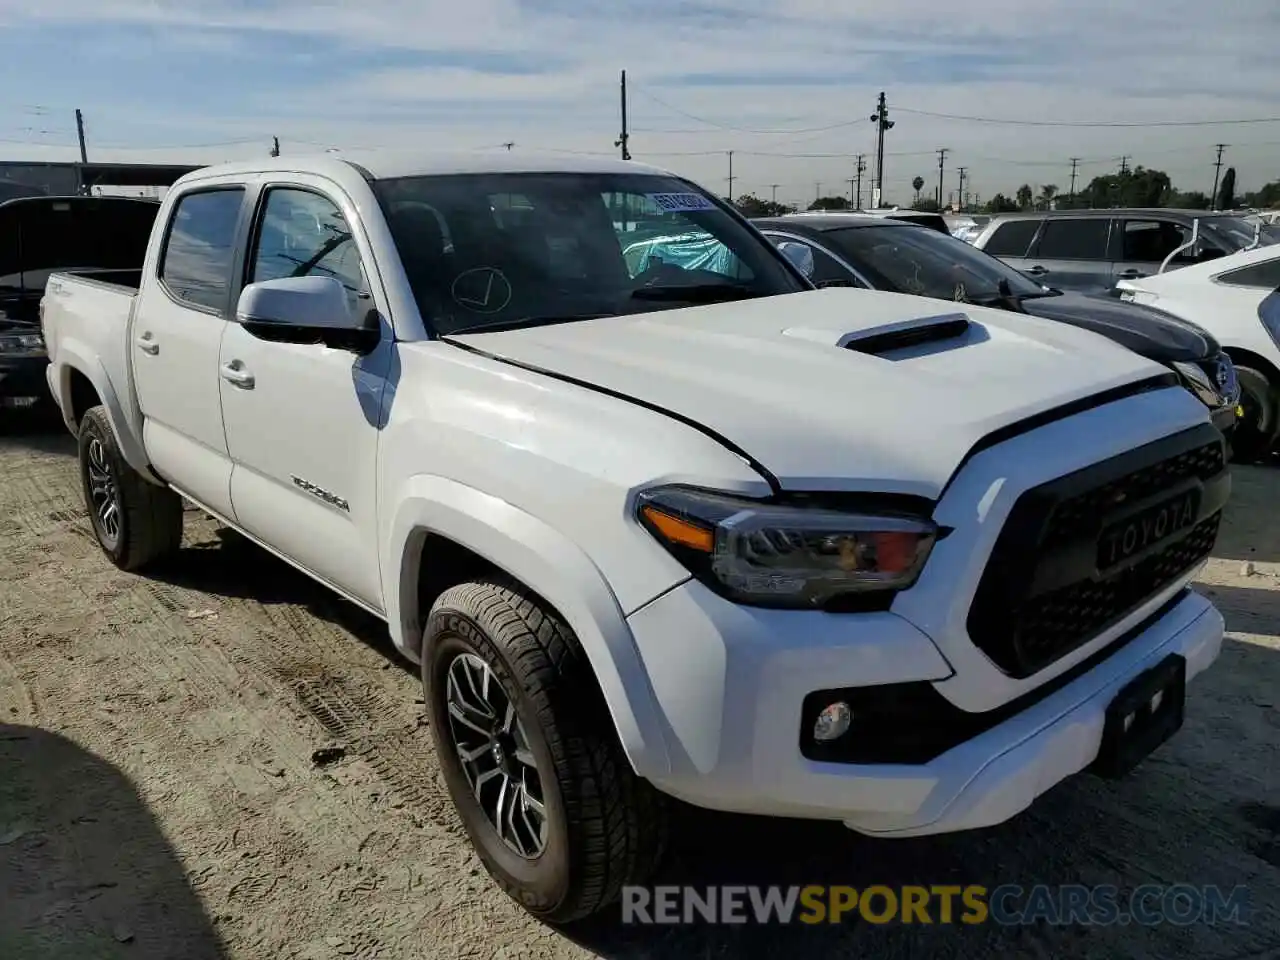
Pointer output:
x,y
548,563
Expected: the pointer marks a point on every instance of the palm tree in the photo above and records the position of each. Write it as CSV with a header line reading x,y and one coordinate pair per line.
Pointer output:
x,y
918,185
1047,193
1024,196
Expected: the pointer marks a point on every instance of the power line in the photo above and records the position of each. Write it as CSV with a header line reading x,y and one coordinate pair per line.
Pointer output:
x,y
1089,123
737,129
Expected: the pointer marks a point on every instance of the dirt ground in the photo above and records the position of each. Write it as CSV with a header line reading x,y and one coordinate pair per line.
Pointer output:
x,y
158,796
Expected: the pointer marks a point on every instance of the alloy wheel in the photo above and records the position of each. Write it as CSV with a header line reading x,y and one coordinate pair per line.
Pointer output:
x,y
496,758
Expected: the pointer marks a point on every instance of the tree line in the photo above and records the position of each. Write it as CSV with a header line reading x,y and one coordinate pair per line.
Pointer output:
x,y
1136,187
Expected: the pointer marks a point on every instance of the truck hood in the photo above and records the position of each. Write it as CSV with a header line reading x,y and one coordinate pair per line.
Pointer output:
x,y
785,379
1155,334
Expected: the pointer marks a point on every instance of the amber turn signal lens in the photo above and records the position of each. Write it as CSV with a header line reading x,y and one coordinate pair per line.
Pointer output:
x,y
678,531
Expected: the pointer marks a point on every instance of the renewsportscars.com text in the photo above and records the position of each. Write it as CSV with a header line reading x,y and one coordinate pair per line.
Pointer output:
x,y
1007,904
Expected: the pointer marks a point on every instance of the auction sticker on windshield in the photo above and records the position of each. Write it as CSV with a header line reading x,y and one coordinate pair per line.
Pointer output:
x,y
680,202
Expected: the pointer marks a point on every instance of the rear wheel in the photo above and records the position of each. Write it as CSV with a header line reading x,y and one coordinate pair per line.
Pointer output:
x,y
530,755
1255,433
135,522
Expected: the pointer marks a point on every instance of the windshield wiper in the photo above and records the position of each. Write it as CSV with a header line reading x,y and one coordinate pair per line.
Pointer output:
x,y
694,292
521,323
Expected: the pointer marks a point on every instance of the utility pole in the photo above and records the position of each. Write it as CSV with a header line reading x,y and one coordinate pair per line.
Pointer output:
x,y
730,176
275,146
509,144
817,191
942,159
1075,162
1217,171
859,169
1124,164
853,202
881,119
774,188
84,155
960,189
624,138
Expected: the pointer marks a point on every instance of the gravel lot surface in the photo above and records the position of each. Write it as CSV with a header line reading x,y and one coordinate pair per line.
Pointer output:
x,y
158,796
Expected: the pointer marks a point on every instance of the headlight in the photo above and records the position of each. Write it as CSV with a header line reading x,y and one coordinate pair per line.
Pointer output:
x,y
786,556
28,344
1200,384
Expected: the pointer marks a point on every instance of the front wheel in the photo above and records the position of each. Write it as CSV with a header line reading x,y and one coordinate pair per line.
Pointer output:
x,y
135,522
530,756
1255,433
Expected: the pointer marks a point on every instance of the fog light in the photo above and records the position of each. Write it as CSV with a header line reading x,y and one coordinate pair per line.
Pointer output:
x,y
833,722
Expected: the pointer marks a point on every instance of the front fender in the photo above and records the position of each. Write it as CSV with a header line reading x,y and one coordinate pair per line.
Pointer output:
x,y
77,357
546,561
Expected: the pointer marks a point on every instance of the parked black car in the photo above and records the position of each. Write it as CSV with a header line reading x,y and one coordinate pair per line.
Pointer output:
x,y
882,254
41,235
1089,250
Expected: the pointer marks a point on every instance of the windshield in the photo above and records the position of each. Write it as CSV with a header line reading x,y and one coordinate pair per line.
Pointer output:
x,y
497,250
1236,232
910,259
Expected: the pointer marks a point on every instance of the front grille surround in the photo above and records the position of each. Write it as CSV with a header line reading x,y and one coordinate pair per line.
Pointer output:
x,y
1042,596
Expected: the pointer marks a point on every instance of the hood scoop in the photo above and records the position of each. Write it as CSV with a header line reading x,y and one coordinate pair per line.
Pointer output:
x,y
880,338
917,332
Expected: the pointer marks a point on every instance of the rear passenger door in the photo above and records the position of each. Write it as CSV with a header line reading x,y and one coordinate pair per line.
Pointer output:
x,y
1143,244
1072,254
177,329
1011,240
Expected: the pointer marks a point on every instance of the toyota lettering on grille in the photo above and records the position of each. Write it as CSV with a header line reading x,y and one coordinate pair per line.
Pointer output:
x,y
1133,535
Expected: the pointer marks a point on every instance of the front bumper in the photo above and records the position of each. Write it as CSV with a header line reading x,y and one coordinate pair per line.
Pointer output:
x,y
731,682
23,378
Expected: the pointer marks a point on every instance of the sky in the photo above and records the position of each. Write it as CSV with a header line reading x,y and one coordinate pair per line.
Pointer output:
x,y
787,85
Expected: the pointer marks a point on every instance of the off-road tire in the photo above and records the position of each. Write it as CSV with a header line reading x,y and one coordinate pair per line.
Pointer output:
x,y
1255,434
150,516
607,828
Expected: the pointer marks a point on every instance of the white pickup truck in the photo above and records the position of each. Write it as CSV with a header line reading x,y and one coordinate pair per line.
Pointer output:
x,y
655,530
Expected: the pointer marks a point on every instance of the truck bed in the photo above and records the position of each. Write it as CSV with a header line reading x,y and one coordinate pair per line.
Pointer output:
x,y
85,316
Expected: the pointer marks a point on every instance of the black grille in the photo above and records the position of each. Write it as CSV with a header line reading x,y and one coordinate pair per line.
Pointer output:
x,y
1043,595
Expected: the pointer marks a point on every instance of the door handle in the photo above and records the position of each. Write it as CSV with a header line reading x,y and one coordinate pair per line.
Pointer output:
x,y
234,373
147,345
1036,270
1130,274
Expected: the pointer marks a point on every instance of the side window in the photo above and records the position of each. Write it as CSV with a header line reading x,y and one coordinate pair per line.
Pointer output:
x,y
1150,241
200,247
652,237
302,234
826,269
1012,238
1265,275
1074,240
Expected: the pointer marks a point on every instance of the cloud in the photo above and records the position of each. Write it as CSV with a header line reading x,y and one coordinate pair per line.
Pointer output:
x,y
787,85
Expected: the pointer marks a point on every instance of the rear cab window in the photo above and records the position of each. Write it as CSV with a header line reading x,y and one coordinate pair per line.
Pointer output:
x,y
1012,238
200,247
1083,239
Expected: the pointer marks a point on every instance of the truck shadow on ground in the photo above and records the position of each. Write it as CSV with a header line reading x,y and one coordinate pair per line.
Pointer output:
x,y
37,431
1251,534
228,564
85,869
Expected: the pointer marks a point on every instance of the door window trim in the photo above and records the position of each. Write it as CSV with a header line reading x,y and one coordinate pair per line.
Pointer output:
x,y
368,263
237,242
772,232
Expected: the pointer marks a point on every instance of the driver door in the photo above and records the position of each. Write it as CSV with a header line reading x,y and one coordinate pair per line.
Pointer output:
x,y
302,420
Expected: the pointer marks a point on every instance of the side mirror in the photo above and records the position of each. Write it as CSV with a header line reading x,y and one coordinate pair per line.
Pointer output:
x,y
800,255
306,310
